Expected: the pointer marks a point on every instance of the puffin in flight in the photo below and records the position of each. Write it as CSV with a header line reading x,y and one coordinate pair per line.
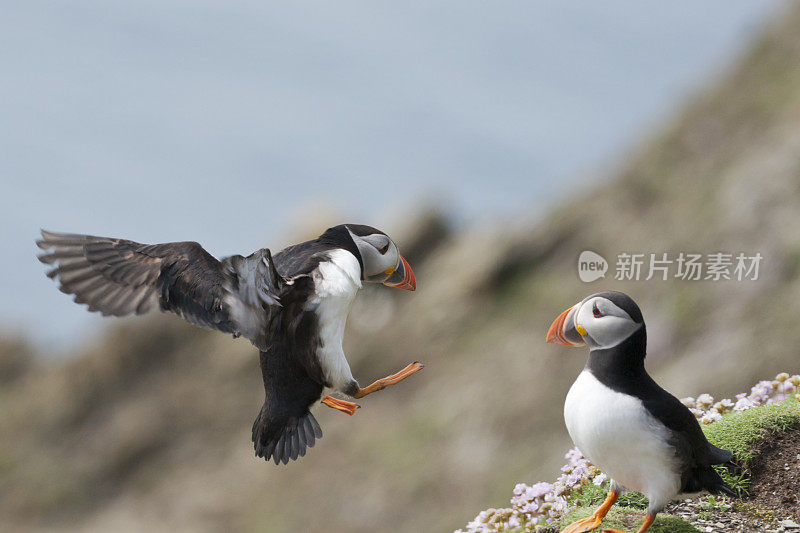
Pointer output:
x,y
292,306
637,433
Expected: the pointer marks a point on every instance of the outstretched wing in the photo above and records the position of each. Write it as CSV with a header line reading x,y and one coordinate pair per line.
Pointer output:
x,y
238,295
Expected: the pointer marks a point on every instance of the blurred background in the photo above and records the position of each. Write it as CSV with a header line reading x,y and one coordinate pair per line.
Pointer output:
x,y
493,141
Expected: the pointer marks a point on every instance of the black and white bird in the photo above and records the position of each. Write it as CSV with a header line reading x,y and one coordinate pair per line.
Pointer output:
x,y
292,306
634,431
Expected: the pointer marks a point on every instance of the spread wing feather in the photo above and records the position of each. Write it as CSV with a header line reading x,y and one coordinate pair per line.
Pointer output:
x,y
238,295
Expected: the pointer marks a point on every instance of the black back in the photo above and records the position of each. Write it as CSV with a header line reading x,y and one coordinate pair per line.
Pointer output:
x,y
304,257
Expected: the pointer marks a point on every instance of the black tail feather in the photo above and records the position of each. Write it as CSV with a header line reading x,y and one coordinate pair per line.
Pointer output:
x,y
718,455
726,490
284,440
711,481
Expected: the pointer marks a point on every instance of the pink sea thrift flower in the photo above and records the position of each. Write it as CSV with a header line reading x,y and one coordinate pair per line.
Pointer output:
x,y
743,404
710,417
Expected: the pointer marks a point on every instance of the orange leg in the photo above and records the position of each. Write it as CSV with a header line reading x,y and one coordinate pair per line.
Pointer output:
x,y
390,380
341,405
591,523
648,521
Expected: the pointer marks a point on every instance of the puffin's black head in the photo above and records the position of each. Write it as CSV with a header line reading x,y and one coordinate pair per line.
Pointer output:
x,y
377,254
602,320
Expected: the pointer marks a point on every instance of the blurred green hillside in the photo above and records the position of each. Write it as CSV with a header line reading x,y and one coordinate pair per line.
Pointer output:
x,y
148,428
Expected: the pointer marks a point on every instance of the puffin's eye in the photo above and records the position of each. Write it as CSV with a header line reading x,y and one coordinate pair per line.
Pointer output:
x,y
596,312
384,249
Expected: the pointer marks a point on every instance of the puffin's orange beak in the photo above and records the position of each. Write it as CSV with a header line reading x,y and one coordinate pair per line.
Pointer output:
x,y
563,329
402,277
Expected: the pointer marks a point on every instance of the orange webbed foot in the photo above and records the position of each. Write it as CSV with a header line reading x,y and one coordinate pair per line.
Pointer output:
x,y
341,405
381,384
590,523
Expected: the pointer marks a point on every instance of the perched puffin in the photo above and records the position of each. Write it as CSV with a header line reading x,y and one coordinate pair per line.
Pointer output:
x,y
292,306
637,433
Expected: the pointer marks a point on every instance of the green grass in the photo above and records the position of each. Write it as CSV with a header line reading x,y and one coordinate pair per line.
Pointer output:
x,y
628,519
591,494
634,500
738,481
713,504
739,432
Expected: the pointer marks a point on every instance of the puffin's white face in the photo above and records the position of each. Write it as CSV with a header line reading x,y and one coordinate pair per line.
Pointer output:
x,y
597,321
378,253
602,324
382,261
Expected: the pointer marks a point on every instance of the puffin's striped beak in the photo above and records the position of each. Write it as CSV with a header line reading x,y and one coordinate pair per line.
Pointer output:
x,y
402,277
563,329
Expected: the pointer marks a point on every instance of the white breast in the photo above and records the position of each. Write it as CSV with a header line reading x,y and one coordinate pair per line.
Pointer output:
x,y
619,436
336,282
